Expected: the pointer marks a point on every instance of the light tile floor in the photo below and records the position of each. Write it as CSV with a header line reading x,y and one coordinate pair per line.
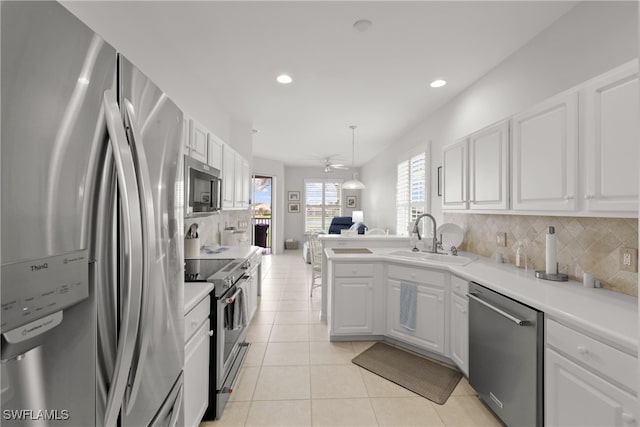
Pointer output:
x,y
293,375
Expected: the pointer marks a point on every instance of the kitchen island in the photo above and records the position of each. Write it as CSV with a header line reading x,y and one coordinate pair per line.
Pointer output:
x,y
590,340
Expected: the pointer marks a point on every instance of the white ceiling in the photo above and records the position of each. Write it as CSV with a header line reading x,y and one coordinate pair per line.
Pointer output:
x,y
377,80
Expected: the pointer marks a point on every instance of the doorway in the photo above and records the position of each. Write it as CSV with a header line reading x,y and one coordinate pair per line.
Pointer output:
x,y
261,210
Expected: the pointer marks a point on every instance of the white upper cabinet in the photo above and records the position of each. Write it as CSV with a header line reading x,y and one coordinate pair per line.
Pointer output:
x,y
198,141
228,177
611,138
454,195
185,134
214,153
545,155
489,167
236,180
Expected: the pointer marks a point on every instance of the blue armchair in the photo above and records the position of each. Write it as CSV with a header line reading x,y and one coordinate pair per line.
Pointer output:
x,y
340,223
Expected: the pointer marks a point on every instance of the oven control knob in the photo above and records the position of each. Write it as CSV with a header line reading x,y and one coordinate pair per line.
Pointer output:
x,y
228,282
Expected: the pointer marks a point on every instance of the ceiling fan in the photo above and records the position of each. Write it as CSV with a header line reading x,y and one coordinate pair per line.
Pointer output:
x,y
329,166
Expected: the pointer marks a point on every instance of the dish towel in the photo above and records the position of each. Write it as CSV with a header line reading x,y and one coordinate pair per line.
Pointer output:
x,y
239,311
408,300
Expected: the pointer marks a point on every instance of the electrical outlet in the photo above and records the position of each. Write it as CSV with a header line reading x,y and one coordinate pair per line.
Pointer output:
x,y
501,239
629,259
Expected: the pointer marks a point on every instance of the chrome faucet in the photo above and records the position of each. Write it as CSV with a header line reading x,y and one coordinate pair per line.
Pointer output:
x,y
435,243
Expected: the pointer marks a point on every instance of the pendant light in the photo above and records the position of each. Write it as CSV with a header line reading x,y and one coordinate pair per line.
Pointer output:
x,y
353,183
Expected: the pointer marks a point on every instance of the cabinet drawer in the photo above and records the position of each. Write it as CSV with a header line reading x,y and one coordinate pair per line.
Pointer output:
x,y
417,275
606,360
459,286
354,270
195,317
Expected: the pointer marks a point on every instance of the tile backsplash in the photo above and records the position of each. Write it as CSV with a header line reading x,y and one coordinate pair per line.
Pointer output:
x,y
211,226
584,244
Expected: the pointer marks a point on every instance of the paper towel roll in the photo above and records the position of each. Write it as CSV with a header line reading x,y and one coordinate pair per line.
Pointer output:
x,y
551,258
192,248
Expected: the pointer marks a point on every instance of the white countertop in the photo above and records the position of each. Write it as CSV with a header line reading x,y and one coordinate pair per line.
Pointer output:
x,y
611,316
363,237
194,292
231,252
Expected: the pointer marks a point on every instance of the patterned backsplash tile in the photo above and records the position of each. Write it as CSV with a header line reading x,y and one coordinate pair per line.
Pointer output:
x,y
584,244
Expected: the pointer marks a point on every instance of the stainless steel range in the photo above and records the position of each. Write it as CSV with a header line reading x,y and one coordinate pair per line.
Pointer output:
x,y
228,314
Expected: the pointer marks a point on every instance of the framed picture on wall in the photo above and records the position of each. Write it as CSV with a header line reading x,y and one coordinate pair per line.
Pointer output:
x,y
294,196
352,201
294,207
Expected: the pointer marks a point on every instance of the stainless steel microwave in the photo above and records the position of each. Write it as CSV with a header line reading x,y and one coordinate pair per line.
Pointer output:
x,y
203,187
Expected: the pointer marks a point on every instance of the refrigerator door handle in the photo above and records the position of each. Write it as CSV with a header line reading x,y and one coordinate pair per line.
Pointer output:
x,y
132,238
172,406
148,248
177,407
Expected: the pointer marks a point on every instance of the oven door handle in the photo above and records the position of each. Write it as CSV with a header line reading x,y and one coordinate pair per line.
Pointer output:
x,y
232,298
501,312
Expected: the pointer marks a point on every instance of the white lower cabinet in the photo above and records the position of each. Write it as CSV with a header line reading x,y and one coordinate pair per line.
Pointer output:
x,y
575,396
196,364
352,299
587,382
459,332
429,333
353,306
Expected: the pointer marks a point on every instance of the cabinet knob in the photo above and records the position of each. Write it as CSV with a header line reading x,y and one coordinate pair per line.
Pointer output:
x,y
583,350
567,197
211,333
589,196
628,418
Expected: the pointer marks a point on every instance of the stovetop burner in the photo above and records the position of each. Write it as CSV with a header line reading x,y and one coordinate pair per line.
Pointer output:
x,y
223,273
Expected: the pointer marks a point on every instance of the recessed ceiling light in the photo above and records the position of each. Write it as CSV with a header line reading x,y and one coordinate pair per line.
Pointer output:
x,y
438,83
285,79
362,25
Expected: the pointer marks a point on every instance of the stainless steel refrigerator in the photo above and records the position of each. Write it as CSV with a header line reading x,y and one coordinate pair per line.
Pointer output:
x,y
92,265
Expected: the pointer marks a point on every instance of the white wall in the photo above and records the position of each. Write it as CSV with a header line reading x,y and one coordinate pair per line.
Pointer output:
x,y
589,40
295,177
274,169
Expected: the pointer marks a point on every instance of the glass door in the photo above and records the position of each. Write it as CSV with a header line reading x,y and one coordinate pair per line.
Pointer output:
x,y
261,210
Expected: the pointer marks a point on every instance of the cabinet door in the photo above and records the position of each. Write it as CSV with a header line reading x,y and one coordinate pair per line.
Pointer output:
x,y
454,176
489,167
246,183
186,123
459,332
611,141
214,154
196,380
545,155
237,198
430,320
229,175
576,397
353,306
198,141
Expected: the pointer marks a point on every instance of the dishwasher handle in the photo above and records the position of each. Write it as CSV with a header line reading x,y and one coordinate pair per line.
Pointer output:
x,y
501,312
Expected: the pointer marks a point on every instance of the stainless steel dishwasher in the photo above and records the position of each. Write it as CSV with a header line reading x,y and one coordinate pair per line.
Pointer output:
x,y
506,356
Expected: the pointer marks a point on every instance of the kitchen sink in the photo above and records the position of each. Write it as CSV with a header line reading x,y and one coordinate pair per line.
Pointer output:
x,y
428,256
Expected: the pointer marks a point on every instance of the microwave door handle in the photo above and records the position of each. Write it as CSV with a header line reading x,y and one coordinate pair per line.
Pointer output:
x,y
131,238
149,242
219,185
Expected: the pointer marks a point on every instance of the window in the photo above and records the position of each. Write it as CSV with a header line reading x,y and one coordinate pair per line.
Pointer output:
x,y
411,192
322,203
